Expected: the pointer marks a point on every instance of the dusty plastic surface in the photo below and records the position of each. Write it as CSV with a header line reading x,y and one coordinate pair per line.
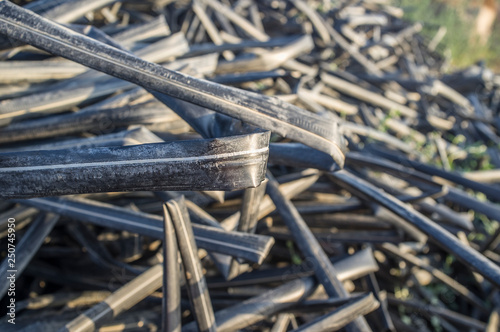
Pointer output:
x,y
259,110
218,164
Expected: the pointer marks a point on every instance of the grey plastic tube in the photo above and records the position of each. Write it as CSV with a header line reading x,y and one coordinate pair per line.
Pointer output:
x,y
60,11
196,284
310,247
259,110
259,307
337,319
218,164
27,247
436,233
171,316
121,300
252,247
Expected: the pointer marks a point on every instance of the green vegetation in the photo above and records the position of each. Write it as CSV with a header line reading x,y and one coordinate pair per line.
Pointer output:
x,y
296,260
458,17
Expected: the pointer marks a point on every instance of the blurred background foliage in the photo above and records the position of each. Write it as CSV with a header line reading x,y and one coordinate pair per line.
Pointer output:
x,y
459,18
